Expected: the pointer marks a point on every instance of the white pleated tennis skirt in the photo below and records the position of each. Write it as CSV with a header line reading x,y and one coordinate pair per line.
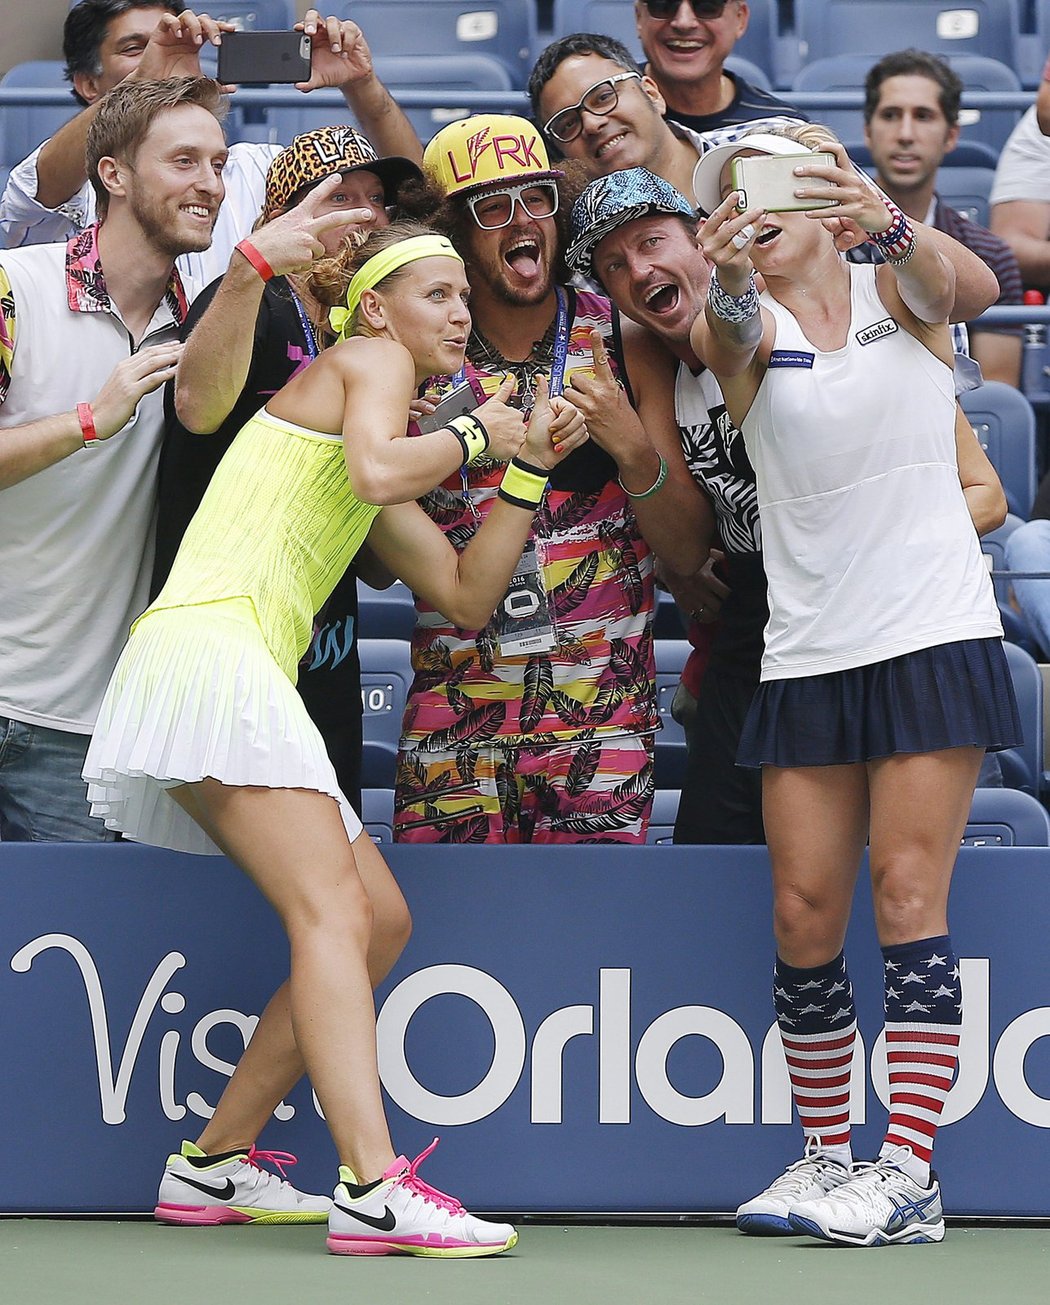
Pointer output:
x,y
197,694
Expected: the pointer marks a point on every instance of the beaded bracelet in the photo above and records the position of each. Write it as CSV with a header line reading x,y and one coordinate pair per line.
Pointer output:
x,y
523,484
733,308
661,476
472,435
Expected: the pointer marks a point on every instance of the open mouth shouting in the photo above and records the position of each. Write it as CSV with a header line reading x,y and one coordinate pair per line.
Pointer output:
x,y
662,299
524,257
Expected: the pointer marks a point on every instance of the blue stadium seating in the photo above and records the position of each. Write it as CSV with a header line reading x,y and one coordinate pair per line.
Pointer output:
x,y
665,811
377,814
386,677
874,27
440,73
993,546
254,15
24,127
967,190
671,655
982,127
502,29
385,613
1023,766
1005,426
1006,817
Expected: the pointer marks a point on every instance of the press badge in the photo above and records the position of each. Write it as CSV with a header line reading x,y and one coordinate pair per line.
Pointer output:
x,y
522,623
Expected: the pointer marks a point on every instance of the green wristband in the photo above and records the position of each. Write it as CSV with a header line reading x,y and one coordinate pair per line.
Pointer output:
x,y
472,436
657,484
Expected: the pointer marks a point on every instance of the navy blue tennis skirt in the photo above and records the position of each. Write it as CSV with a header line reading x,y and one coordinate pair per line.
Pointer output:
x,y
954,695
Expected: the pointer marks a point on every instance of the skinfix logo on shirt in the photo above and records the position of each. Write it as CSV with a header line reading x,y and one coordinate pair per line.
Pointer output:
x,y
877,331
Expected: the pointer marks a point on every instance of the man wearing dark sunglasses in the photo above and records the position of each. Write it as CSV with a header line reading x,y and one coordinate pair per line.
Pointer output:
x,y
596,106
686,44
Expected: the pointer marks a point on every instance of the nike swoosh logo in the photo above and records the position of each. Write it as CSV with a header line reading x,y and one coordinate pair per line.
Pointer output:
x,y
385,1224
222,1193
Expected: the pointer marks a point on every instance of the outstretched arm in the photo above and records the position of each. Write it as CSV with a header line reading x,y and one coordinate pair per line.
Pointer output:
x,y
466,587
340,57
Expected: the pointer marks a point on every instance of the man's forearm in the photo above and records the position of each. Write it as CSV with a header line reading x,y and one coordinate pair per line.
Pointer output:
x,y
382,119
214,367
60,169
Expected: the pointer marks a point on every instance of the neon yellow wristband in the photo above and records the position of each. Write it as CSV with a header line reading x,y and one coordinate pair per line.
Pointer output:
x,y
472,435
523,484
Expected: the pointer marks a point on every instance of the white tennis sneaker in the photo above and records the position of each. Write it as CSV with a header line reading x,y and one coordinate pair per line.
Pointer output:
x,y
768,1214
881,1205
401,1214
234,1189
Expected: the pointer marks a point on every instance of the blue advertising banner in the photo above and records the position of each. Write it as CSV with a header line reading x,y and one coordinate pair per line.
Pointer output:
x,y
587,1029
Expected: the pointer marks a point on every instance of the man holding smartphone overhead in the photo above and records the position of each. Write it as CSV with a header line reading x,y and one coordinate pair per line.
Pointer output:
x,y
105,41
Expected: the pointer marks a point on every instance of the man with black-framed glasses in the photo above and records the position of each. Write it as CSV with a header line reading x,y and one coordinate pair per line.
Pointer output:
x,y
686,44
539,728
596,106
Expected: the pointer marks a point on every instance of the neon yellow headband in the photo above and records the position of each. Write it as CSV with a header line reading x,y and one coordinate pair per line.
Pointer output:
x,y
380,265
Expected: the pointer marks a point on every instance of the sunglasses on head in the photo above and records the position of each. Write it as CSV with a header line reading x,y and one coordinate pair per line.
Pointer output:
x,y
664,10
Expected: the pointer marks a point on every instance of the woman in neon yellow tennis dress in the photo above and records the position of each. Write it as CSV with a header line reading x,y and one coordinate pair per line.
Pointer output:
x,y
202,743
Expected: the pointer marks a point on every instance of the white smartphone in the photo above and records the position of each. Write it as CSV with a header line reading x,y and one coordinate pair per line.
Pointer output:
x,y
768,181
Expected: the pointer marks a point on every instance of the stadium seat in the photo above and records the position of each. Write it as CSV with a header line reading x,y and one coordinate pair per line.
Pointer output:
x,y
1006,817
1023,766
502,29
751,72
442,73
25,126
987,128
385,613
671,657
1034,47
377,814
1005,425
875,27
255,15
665,812
966,190
993,546
386,677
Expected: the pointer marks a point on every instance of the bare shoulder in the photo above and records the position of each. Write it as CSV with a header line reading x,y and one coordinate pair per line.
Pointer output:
x,y
370,358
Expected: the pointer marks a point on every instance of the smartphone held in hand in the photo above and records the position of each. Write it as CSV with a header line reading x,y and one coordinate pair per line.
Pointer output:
x,y
264,58
768,181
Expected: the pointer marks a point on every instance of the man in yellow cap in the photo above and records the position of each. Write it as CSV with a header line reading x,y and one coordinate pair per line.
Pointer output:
x,y
539,727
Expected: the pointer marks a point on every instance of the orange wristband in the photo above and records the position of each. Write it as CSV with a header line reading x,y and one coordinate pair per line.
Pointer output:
x,y
248,250
87,425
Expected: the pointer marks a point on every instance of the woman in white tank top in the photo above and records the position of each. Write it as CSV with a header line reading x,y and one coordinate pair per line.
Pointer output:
x,y
883,678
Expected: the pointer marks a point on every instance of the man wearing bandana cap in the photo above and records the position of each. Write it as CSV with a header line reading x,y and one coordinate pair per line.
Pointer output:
x,y
539,727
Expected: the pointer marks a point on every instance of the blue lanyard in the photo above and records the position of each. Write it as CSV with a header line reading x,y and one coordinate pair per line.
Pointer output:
x,y
557,376
308,329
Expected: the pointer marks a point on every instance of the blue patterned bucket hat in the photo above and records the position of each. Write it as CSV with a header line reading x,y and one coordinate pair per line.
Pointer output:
x,y
611,201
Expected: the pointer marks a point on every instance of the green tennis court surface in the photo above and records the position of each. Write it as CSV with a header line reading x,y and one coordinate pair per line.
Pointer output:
x,y
56,1262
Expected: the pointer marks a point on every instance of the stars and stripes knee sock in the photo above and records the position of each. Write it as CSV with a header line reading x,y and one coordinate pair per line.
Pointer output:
x,y
818,1028
923,1023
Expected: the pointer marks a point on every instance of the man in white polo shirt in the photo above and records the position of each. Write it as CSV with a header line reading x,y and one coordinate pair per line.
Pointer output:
x,y
47,196
88,336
